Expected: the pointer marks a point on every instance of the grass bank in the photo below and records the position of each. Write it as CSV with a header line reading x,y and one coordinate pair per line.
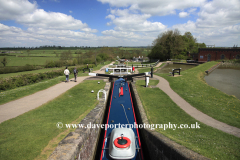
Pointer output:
x,y
27,72
192,87
52,69
26,136
13,94
207,141
99,66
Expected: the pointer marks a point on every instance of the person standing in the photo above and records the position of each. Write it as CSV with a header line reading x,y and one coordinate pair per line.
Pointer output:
x,y
67,72
75,71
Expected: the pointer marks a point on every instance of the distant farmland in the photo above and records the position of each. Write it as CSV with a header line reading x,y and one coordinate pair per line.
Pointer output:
x,y
39,56
22,61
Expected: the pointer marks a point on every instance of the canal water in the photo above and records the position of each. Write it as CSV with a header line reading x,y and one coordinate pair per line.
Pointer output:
x,y
226,80
169,67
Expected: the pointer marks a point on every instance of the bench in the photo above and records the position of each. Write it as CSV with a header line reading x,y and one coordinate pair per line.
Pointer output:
x,y
175,71
87,69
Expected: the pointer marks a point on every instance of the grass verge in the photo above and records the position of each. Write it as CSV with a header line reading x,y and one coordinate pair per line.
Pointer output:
x,y
207,141
13,94
27,72
99,66
52,144
192,87
26,136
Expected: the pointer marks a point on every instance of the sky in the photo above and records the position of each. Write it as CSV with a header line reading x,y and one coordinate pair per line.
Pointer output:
x,y
33,23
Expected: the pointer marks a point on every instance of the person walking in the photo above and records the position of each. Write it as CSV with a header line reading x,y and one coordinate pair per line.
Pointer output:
x,y
67,72
75,71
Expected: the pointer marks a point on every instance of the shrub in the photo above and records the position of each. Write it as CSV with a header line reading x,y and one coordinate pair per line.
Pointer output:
x,y
11,69
22,80
50,64
59,63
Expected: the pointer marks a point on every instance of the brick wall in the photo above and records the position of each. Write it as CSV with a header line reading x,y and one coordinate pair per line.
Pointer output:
x,y
212,54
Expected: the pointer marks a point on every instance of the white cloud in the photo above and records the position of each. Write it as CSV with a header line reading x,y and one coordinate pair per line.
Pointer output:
x,y
189,26
55,0
26,13
53,20
6,30
213,22
192,10
216,20
217,23
127,21
11,9
183,14
112,17
120,34
10,36
155,7
219,13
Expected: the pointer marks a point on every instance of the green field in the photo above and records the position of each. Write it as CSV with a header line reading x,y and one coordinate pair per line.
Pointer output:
x,y
36,57
47,52
22,61
21,57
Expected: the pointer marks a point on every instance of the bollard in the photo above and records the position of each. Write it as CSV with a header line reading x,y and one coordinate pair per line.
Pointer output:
x,y
152,72
146,81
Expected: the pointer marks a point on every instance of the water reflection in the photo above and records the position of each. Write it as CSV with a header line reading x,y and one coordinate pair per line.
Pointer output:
x,y
169,67
226,80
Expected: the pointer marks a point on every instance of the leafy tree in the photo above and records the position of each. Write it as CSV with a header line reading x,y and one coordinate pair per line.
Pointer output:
x,y
66,55
201,45
79,57
138,52
103,56
171,44
4,61
190,43
28,52
75,62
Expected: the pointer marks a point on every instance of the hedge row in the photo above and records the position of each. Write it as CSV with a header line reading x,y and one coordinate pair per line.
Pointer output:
x,y
59,63
19,69
26,79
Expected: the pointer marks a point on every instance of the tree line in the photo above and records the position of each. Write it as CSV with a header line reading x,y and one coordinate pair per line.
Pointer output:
x,y
172,45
